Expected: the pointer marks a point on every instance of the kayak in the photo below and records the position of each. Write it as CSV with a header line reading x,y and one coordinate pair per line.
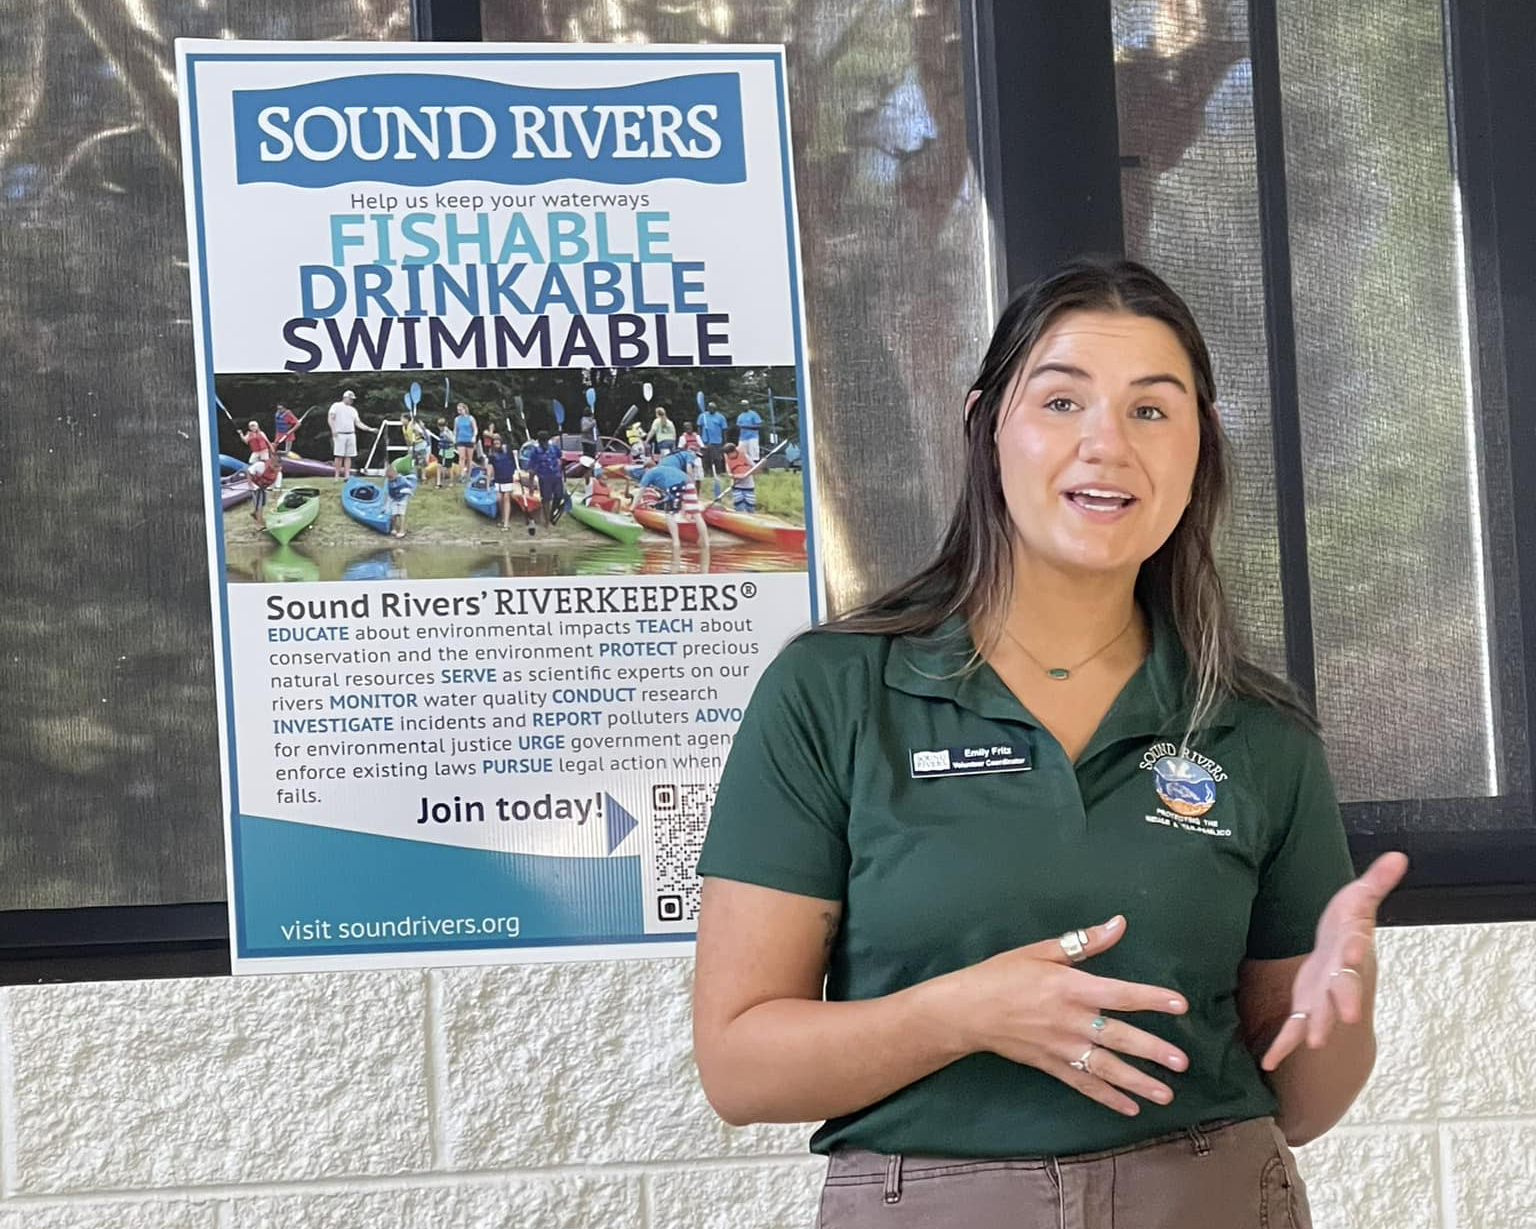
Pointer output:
x,y
480,495
571,461
687,531
366,502
303,467
231,465
380,565
404,465
235,489
757,528
293,513
615,525
287,565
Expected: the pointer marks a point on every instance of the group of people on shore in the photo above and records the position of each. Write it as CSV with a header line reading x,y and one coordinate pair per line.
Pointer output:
x,y
736,462
666,466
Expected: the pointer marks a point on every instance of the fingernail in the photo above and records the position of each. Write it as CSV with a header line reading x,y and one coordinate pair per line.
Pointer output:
x,y
1113,923
1176,1004
1176,1060
1163,1096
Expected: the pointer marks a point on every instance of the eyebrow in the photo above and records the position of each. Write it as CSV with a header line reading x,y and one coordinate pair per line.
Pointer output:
x,y
1077,373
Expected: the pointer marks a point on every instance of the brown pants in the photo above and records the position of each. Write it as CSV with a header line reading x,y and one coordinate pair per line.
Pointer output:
x,y
1229,1175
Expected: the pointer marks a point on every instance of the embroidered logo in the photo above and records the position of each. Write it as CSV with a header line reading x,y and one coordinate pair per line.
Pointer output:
x,y
1186,783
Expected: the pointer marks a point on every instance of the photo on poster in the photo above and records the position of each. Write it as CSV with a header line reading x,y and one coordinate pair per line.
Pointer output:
x,y
734,431
508,451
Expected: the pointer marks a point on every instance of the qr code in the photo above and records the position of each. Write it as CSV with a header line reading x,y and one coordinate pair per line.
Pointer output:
x,y
679,816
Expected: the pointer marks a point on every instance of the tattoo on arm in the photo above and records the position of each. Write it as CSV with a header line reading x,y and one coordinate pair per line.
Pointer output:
x,y
830,920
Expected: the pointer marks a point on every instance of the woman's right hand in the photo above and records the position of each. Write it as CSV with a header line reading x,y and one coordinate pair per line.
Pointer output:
x,y
1031,1005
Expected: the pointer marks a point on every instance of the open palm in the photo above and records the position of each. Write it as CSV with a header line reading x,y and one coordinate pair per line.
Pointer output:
x,y
1330,986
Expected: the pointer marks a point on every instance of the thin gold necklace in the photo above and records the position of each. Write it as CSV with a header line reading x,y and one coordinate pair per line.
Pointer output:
x,y
1061,673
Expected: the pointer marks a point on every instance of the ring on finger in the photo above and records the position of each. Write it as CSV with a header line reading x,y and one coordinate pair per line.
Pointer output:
x,y
1300,1015
1075,944
1346,969
1081,1064
1098,1023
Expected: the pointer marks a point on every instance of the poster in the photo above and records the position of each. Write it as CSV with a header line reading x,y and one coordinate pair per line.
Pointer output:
x,y
458,310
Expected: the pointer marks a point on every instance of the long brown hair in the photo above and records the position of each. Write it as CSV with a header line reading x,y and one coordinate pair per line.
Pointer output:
x,y
972,573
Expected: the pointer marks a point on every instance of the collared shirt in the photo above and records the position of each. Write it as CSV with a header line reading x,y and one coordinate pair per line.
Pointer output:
x,y
712,427
878,771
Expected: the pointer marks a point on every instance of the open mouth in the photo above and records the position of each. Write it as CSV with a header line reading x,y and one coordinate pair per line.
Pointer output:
x,y
1099,499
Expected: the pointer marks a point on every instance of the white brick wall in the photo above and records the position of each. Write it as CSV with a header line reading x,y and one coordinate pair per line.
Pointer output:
x,y
563,1097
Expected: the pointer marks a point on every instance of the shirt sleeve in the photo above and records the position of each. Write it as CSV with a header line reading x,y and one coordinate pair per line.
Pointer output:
x,y
780,817
1309,860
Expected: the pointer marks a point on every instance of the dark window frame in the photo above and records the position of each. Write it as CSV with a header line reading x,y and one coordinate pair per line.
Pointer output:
x,y
1052,63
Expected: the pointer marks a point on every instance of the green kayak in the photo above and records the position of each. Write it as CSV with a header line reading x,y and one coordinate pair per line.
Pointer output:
x,y
286,565
617,525
294,512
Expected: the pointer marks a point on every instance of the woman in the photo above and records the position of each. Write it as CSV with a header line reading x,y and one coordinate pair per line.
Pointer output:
x,y
465,432
663,433
1050,725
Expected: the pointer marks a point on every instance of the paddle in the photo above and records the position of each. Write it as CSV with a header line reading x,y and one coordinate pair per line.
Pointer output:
x,y
629,416
559,412
699,399
762,461
220,404
415,397
646,391
447,395
591,397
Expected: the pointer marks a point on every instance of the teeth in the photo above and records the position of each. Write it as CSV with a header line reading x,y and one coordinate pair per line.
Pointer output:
x,y
1095,493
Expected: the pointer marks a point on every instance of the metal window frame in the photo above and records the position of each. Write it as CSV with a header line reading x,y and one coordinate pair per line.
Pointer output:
x,y
1041,102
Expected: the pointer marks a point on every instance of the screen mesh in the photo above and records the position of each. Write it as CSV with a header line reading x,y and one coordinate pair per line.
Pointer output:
x,y
1401,501
898,289
110,756
1395,523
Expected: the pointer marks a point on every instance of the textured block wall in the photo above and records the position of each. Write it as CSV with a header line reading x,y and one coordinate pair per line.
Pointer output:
x,y
563,1096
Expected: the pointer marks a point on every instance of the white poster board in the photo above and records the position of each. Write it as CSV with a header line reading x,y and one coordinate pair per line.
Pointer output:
x,y
456,729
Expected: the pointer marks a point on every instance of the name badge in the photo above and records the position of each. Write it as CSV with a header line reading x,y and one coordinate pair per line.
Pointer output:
x,y
969,761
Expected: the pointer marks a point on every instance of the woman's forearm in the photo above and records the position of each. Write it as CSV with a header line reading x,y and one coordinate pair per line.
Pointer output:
x,y
1315,1088
797,1060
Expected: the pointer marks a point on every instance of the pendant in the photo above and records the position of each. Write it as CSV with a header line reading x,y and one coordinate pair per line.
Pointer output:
x,y
1060,672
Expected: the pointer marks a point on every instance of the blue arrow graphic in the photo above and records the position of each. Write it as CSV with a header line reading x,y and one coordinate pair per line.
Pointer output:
x,y
620,823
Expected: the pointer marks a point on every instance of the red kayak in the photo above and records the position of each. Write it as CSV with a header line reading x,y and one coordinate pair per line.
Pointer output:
x,y
687,531
757,528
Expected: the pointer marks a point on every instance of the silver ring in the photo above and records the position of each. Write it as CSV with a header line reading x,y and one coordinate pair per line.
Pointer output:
x,y
1350,971
1081,1064
1074,943
1299,1015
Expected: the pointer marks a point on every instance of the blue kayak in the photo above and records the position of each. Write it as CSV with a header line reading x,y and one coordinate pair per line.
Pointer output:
x,y
366,501
480,495
380,565
231,465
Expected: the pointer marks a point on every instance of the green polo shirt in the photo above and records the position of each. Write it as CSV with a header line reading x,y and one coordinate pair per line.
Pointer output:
x,y
869,770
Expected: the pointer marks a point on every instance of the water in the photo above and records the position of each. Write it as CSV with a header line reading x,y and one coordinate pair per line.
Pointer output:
x,y
270,563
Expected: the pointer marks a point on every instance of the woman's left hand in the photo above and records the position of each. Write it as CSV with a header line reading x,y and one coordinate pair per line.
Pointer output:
x,y
1331,984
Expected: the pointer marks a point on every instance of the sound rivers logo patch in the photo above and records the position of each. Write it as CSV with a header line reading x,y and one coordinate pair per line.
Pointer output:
x,y
1186,783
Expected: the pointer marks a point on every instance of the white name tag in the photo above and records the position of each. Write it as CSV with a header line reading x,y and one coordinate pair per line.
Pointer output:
x,y
970,761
